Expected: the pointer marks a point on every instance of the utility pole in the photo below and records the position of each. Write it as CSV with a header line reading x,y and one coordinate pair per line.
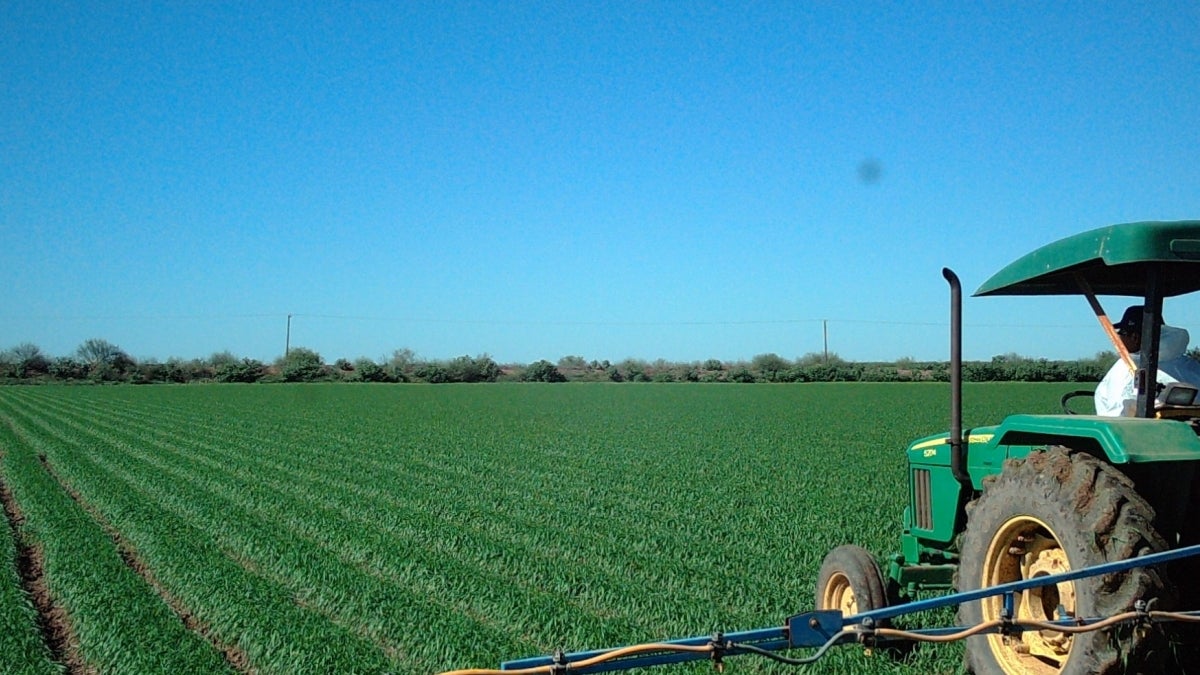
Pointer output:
x,y
287,344
825,332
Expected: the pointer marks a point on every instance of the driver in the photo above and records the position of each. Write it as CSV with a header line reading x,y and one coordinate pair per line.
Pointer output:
x,y
1116,390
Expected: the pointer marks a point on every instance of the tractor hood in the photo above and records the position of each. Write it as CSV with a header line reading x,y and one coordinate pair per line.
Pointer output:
x,y
1113,260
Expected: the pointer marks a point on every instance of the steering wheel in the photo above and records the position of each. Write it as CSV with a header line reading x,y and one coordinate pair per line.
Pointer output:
x,y
1066,408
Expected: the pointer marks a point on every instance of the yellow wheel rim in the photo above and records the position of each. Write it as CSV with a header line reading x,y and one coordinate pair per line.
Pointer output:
x,y
838,594
1024,548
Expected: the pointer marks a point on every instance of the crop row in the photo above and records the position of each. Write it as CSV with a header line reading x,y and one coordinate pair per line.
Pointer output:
x,y
242,606
117,622
418,529
21,642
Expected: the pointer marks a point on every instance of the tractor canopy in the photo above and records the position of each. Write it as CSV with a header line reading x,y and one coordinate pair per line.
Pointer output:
x,y
1150,260
1113,260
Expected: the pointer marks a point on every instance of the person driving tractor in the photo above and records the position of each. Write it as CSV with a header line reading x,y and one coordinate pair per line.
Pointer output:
x,y
1116,391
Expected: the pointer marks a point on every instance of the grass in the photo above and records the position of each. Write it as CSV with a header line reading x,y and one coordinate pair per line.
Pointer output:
x,y
415,529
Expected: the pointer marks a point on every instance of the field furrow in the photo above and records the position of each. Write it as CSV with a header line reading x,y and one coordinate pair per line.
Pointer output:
x,y
116,621
22,644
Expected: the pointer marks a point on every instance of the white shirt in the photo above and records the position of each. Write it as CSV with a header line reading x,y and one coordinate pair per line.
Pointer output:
x,y
1174,365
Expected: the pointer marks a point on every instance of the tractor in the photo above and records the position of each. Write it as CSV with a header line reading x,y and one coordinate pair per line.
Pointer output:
x,y
1043,494
1065,541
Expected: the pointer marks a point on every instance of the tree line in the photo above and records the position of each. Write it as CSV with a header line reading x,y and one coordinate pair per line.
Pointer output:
x,y
100,361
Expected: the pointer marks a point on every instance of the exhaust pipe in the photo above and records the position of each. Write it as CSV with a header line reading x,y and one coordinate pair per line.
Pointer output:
x,y
957,456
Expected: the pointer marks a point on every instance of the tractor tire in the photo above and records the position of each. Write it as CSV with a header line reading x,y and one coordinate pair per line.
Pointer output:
x,y
850,580
1050,512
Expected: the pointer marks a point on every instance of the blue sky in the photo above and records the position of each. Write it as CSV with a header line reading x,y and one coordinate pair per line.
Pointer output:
x,y
532,180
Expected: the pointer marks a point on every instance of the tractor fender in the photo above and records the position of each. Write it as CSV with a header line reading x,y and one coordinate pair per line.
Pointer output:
x,y
1120,440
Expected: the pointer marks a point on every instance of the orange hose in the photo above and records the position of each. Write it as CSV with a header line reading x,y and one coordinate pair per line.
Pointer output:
x,y
599,658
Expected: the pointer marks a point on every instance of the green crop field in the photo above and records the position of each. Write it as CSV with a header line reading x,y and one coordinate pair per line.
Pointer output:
x,y
417,529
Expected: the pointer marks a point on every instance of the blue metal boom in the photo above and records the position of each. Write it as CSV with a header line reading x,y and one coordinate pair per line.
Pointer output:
x,y
824,628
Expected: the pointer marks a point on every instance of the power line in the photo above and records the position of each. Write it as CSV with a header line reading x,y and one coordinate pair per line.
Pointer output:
x,y
524,322
134,317
710,322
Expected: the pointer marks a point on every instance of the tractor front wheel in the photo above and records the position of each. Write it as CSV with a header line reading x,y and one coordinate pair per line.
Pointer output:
x,y
1048,513
850,580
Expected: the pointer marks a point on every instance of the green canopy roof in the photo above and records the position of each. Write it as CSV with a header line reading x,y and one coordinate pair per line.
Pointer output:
x,y
1114,260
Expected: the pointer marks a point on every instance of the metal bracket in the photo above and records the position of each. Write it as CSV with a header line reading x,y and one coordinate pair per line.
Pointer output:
x,y
866,635
719,646
813,628
1007,628
559,664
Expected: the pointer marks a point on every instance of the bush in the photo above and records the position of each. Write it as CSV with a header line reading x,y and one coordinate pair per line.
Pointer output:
x,y
542,371
633,370
66,368
246,370
402,366
301,365
770,367
467,369
26,360
149,372
432,372
741,375
366,370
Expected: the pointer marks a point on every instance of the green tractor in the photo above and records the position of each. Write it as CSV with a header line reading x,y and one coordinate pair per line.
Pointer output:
x,y
1041,494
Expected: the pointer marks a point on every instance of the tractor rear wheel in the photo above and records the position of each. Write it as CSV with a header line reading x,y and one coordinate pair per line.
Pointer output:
x,y
850,580
1051,512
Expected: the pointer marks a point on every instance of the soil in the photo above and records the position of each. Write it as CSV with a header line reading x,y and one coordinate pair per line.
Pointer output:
x,y
235,657
52,619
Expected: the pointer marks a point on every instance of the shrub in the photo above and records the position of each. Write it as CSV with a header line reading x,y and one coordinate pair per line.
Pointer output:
x,y
742,375
366,370
542,371
770,367
67,368
246,370
432,372
301,365
467,369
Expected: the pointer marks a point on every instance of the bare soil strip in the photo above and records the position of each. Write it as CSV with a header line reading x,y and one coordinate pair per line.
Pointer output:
x,y
235,657
52,620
